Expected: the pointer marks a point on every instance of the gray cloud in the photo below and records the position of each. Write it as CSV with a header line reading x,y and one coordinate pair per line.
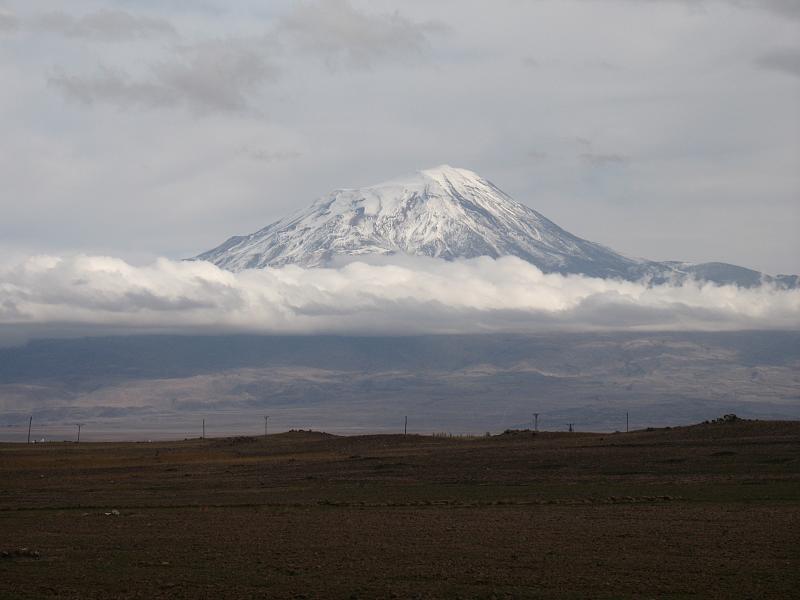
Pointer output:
x,y
218,75
786,60
601,65
114,87
403,296
110,25
269,156
603,160
784,8
225,74
537,155
8,21
342,35
598,159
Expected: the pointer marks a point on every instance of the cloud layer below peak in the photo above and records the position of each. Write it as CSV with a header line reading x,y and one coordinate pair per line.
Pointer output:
x,y
48,296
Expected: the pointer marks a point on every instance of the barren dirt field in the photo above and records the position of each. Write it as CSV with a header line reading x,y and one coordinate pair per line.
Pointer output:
x,y
708,511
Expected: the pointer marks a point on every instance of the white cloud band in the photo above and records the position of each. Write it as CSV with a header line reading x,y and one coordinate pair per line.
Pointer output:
x,y
85,294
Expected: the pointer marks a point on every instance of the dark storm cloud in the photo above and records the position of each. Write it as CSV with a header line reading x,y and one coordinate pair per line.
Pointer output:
x,y
215,75
104,25
785,60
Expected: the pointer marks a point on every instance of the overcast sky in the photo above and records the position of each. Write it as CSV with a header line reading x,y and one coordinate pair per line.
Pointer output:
x,y
143,128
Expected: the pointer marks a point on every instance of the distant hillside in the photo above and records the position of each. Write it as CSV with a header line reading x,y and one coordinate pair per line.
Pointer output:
x,y
466,383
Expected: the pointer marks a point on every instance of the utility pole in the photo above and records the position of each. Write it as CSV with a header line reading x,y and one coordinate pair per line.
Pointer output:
x,y
405,426
78,441
571,427
30,421
204,429
266,420
536,421
626,422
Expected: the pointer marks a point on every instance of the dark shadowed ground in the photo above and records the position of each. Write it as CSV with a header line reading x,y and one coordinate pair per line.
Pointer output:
x,y
709,511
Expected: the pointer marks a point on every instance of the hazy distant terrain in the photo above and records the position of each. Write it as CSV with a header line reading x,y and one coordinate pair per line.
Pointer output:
x,y
151,386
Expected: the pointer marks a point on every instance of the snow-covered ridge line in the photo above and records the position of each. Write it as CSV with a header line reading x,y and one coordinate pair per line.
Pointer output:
x,y
449,213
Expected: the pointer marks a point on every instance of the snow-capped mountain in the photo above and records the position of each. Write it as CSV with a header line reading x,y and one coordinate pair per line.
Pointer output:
x,y
442,212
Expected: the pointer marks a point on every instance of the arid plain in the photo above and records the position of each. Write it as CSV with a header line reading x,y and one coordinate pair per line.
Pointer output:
x,y
711,511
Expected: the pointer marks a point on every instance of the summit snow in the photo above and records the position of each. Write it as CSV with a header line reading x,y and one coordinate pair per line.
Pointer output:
x,y
447,213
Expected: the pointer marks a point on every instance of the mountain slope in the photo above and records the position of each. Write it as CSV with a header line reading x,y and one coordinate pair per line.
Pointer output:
x,y
446,213
443,212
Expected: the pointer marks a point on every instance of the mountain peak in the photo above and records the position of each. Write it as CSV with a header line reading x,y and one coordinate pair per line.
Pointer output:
x,y
449,213
450,172
443,212
442,175
454,178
